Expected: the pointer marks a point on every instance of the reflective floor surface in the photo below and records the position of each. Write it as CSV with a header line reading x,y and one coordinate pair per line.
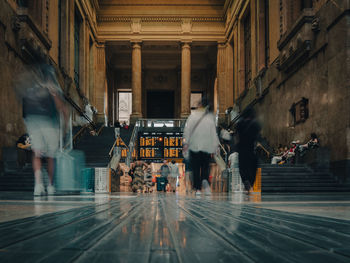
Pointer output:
x,y
167,227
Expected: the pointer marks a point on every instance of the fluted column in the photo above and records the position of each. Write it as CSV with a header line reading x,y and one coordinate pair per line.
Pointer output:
x,y
221,79
136,82
100,93
185,79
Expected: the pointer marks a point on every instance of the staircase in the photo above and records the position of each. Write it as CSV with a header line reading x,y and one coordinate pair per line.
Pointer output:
x,y
14,179
96,148
296,178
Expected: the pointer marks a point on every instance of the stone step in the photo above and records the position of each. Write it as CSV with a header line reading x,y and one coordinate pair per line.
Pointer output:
x,y
299,184
331,180
299,189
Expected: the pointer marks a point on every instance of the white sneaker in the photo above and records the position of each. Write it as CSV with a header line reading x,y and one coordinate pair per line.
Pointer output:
x,y
51,190
198,193
39,190
207,191
206,187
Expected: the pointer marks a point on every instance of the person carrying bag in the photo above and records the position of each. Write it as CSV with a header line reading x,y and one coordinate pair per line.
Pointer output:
x,y
200,142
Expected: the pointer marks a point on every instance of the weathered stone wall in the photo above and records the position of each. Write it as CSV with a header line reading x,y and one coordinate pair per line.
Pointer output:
x,y
324,80
24,31
11,123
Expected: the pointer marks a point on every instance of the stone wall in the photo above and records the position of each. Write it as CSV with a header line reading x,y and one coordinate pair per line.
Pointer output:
x,y
323,78
11,123
25,30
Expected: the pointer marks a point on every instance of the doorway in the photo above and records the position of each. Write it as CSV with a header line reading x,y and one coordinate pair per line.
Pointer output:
x,y
160,104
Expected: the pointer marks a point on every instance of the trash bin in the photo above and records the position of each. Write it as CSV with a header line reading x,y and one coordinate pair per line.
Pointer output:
x,y
161,183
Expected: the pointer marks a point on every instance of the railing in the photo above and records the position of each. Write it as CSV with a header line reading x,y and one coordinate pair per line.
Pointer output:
x,y
81,112
132,142
158,123
111,152
76,137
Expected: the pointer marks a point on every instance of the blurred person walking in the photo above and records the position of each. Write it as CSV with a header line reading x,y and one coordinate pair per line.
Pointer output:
x,y
174,173
248,130
188,175
138,181
200,142
42,102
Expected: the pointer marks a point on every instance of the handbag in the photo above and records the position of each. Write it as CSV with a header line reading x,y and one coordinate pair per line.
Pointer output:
x,y
219,161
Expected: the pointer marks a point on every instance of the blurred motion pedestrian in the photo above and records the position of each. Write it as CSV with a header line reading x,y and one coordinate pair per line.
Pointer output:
x,y
148,177
248,129
188,175
200,141
138,181
174,173
43,102
164,169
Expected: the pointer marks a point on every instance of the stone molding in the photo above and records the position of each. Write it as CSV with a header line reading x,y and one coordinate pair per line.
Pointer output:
x,y
158,19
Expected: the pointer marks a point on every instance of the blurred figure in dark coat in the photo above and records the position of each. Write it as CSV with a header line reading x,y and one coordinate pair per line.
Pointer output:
x,y
248,129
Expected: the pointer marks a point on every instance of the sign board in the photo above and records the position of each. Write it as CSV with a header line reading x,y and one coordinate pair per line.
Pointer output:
x,y
102,180
160,145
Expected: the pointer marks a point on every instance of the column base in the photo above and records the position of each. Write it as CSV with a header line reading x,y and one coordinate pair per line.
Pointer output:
x,y
184,115
100,118
134,118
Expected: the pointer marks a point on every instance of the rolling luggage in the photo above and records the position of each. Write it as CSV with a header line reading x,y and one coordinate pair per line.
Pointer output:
x,y
161,183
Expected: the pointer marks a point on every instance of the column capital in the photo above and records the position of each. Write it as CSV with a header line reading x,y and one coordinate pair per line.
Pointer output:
x,y
222,44
185,44
100,44
136,43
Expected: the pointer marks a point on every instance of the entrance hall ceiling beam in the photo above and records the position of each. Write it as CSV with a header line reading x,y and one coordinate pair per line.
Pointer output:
x,y
161,20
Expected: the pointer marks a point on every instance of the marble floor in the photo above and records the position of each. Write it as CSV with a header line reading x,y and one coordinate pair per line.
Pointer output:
x,y
167,227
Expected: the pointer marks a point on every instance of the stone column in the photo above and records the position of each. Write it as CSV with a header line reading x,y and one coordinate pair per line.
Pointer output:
x,y
136,82
185,80
221,80
100,82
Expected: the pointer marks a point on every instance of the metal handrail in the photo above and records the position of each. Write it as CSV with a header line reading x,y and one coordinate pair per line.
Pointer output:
x,y
132,143
81,112
77,135
115,142
263,148
152,122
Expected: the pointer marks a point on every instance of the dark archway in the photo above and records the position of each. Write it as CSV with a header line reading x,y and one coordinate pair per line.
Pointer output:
x,y
160,104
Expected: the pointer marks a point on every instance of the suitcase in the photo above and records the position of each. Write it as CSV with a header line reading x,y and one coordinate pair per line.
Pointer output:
x,y
161,183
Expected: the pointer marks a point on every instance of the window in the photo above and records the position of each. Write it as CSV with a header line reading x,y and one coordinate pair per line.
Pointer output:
x,y
267,32
124,106
77,24
59,33
247,52
300,111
